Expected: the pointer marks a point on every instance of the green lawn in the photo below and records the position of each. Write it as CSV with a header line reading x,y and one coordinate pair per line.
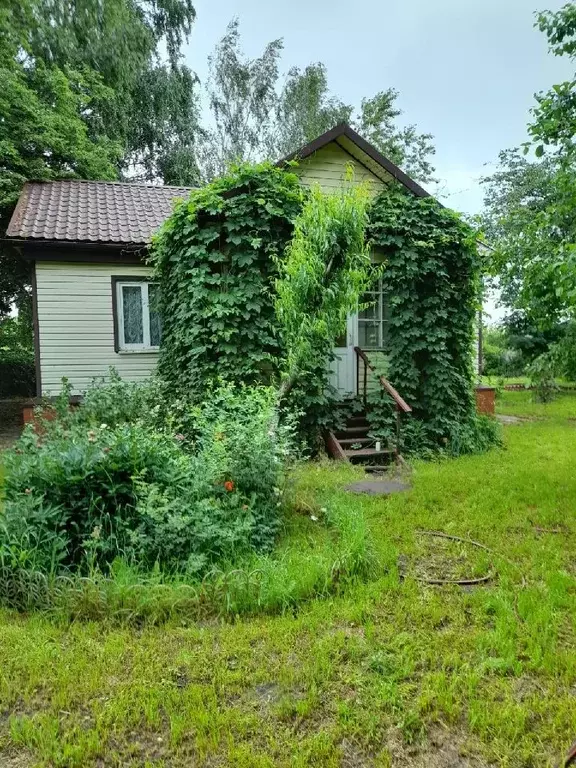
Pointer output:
x,y
522,404
394,673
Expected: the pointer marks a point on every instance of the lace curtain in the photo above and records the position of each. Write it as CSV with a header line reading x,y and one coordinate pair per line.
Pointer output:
x,y
132,309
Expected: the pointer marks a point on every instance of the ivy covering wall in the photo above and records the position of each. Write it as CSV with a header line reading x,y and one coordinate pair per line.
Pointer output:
x,y
216,258
431,283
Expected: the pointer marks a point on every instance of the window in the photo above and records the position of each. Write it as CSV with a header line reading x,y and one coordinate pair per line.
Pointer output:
x,y
373,321
137,322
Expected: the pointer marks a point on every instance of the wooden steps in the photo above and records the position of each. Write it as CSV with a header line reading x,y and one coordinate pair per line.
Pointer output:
x,y
353,443
348,442
352,432
362,455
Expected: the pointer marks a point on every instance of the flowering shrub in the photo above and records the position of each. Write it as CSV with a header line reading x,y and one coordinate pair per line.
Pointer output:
x,y
81,494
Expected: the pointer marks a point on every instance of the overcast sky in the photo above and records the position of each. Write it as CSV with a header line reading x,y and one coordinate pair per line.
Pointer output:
x,y
466,70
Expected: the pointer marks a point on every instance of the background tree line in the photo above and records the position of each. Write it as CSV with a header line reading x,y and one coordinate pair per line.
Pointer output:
x,y
530,220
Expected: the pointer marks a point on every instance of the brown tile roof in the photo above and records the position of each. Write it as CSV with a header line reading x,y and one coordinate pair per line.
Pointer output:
x,y
91,211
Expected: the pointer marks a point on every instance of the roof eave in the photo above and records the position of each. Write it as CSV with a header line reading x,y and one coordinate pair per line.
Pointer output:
x,y
80,251
111,244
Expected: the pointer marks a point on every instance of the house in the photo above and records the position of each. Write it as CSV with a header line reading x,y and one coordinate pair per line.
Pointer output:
x,y
93,300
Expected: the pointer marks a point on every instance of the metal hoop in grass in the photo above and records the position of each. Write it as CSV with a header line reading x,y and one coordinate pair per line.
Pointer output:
x,y
459,582
213,578
62,586
86,585
187,599
212,584
216,583
242,579
470,582
248,576
259,573
63,581
442,535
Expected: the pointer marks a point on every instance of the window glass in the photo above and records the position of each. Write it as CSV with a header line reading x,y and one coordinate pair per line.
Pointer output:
x,y
374,320
132,314
155,325
369,334
371,312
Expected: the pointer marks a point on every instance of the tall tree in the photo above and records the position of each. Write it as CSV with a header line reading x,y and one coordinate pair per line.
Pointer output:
x,y
241,98
134,46
305,109
254,114
529,206
527,221
43,135
85,93
409,149
554,125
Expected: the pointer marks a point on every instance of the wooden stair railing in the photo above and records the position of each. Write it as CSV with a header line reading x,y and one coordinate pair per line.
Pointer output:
x,y
401,405
352,441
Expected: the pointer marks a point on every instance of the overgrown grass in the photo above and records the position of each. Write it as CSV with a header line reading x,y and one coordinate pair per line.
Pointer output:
x,y
389,672
322,551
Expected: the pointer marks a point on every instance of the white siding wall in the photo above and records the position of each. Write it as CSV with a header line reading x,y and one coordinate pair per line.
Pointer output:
x,y
327,168
76,325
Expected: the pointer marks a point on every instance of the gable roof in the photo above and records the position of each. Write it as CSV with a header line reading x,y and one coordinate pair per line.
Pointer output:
x,y
127,214
91,211
361,150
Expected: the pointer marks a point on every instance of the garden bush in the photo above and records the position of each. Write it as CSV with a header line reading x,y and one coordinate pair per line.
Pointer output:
x,y
80,494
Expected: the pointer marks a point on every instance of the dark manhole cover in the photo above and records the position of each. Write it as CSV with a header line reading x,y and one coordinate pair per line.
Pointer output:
x,y
378,487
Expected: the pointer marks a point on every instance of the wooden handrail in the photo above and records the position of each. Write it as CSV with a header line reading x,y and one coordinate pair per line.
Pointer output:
x,y
401,404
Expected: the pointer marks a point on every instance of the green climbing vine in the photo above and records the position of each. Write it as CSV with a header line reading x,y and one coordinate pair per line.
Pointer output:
x,y
431,284
216,259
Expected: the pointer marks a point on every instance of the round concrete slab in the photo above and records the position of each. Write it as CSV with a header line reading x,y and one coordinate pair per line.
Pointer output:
x,y
378,487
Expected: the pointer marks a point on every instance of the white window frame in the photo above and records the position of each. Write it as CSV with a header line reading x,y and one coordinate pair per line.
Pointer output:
x,y
145,346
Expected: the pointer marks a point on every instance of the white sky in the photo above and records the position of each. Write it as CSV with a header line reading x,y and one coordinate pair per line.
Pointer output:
x,y
466,70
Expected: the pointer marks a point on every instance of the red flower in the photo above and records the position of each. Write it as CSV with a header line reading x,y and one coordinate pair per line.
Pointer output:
x,y
229,485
